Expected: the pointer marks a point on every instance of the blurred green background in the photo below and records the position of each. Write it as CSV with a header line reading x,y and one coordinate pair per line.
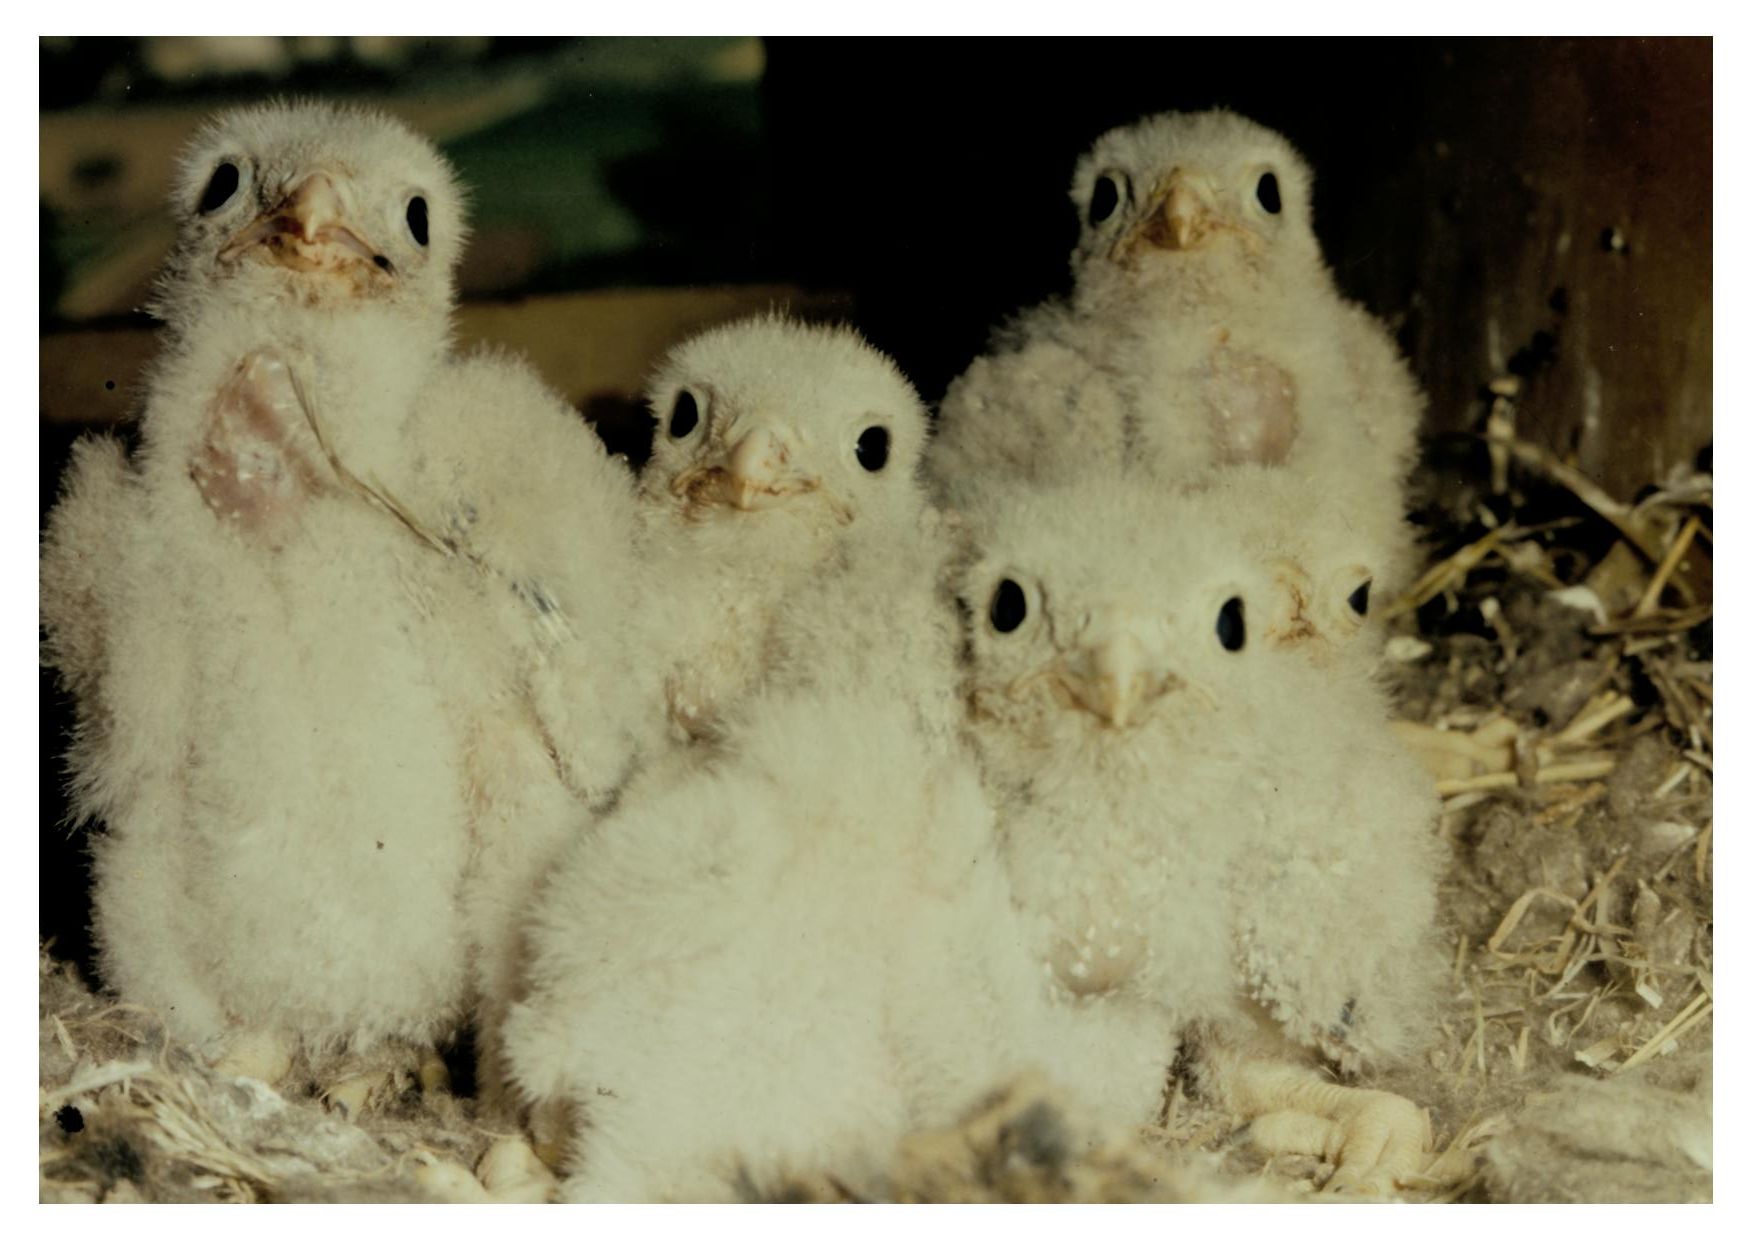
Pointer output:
x,y
591,162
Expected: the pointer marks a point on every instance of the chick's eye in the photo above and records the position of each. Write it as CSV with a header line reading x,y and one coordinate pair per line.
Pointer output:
x,y
1268,193
872,448
1105,197
1361,598
685,415
224,182
419,221
1007,610
1229,626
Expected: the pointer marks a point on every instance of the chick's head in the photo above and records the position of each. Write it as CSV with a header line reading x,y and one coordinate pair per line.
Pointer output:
x,y
777,421
1102,624
309,204
1320,564
1209,194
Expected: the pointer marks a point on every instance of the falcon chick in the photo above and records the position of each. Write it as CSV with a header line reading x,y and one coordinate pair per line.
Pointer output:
x,y
774,439
1180,846
286,832
1203,329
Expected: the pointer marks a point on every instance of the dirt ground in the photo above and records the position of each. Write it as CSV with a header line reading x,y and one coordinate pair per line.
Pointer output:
x,y
1553,667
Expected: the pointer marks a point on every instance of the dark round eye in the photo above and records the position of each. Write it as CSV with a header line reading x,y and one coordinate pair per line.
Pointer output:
x,y
1268,193
419,221
225,179
1361,598
1104,200
872,448
1229,628
685,415
1007,610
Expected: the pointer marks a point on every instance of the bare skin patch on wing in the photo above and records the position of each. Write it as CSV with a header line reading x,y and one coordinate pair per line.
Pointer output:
x,y
249,466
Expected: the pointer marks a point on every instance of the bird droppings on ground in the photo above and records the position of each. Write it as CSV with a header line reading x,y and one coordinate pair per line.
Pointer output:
x,y
1553,666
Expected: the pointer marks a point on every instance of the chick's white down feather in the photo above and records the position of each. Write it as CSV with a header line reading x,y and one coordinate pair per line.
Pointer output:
x,y
1203,329
286,834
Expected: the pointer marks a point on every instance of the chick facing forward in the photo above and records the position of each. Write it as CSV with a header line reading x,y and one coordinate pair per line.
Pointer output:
x,y
285,833
774,440
1151,765
1203,329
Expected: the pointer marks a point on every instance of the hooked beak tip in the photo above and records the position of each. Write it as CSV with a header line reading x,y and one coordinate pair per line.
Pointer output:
x,y
1182,212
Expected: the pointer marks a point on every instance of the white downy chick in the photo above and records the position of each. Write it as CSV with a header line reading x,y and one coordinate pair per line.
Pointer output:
x,y
774,439
1113,725
1161,803
286,834
773,959
1203,329
786,458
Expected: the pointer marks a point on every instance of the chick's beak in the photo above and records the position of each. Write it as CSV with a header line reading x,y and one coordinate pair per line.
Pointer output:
x,y
1114,680
313,206
755,467
308,230
1180,218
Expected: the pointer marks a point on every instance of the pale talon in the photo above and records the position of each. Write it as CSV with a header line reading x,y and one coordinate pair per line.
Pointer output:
x,y
513,1171
355,1095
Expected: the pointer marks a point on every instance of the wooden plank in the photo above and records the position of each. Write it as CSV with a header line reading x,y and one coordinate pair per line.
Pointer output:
x,y
1553,220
